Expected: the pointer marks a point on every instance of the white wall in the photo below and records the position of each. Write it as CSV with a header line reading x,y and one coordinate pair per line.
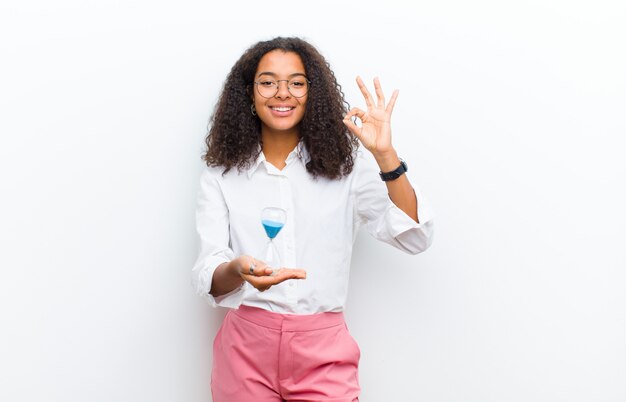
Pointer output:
x,y
511,116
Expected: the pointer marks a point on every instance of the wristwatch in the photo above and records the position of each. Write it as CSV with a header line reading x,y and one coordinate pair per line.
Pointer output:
x,y
394,174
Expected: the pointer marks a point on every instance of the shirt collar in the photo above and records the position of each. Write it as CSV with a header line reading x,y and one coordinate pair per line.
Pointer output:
x,y
299,152
256,163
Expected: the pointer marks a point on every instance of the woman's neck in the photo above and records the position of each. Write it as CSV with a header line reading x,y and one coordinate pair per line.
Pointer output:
x,y
278,145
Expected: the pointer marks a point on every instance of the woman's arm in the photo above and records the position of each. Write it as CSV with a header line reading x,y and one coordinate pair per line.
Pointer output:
x,y
375,135
226,278
400,190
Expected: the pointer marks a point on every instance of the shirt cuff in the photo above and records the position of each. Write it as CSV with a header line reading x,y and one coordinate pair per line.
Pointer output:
x,y
410,236
231,299
203,278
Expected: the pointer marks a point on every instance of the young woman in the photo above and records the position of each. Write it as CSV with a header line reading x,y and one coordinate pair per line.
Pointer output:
x,y
282,136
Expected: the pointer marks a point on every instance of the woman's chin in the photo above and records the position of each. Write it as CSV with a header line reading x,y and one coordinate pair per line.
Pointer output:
x,y
281,127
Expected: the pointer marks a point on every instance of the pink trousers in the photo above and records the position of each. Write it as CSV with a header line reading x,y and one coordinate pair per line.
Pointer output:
x,y
261,356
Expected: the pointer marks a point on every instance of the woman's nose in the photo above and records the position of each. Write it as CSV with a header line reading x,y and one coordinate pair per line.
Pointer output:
x,y
283,90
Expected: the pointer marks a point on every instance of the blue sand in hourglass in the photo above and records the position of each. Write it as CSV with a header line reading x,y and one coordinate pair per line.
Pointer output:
x,y
272,228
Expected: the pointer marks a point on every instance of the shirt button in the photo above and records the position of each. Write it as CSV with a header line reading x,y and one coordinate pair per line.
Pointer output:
x,y
291,284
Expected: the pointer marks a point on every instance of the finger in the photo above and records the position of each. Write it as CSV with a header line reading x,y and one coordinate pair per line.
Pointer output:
x,y
263,283
379,93
392,101
248,267
354,129
369,101
262,269
260,282
355,111
279,275
347,120
257,268
292,273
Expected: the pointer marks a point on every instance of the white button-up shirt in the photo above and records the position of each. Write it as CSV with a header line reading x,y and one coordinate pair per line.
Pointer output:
x,y
323,217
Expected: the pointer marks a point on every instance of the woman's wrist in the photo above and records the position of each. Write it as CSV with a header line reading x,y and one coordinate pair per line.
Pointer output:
x,y
235,267
388,160
225,278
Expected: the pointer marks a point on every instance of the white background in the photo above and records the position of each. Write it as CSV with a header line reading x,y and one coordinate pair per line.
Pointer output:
x,y
511,116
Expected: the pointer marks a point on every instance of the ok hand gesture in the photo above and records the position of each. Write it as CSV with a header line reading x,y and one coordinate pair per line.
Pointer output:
x,y
375,130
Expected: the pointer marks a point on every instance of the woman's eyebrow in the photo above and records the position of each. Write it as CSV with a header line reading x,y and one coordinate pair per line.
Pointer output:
x,y
275,75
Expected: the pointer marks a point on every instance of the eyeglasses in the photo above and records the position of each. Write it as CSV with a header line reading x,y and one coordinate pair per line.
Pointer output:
x,y
297,87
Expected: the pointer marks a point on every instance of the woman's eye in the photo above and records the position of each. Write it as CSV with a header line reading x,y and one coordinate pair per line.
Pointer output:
x,y
267,83
297,83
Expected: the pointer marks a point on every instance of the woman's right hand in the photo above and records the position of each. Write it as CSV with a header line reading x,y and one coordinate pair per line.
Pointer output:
x,y
262,277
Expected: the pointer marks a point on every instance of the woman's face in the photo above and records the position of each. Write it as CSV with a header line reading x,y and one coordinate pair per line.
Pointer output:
x,y
281,111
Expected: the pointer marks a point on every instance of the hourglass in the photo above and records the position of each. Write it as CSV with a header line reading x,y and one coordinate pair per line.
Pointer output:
x,y
273,220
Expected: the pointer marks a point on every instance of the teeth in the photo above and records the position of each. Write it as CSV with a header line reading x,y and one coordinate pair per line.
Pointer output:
x,y
282,109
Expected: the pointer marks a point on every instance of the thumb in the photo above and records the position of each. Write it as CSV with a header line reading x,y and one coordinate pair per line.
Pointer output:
x,y
354,129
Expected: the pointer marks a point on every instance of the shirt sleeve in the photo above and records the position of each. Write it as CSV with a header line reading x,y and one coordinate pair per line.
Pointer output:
x,y
383,219
212,224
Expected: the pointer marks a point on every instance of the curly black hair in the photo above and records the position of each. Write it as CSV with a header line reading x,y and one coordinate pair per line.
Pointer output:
x,y
235,133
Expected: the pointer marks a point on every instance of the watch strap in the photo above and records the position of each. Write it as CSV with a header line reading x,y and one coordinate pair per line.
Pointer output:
x,y
394,174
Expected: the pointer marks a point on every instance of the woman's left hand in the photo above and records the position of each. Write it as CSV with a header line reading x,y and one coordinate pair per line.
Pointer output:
x,y
375,130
